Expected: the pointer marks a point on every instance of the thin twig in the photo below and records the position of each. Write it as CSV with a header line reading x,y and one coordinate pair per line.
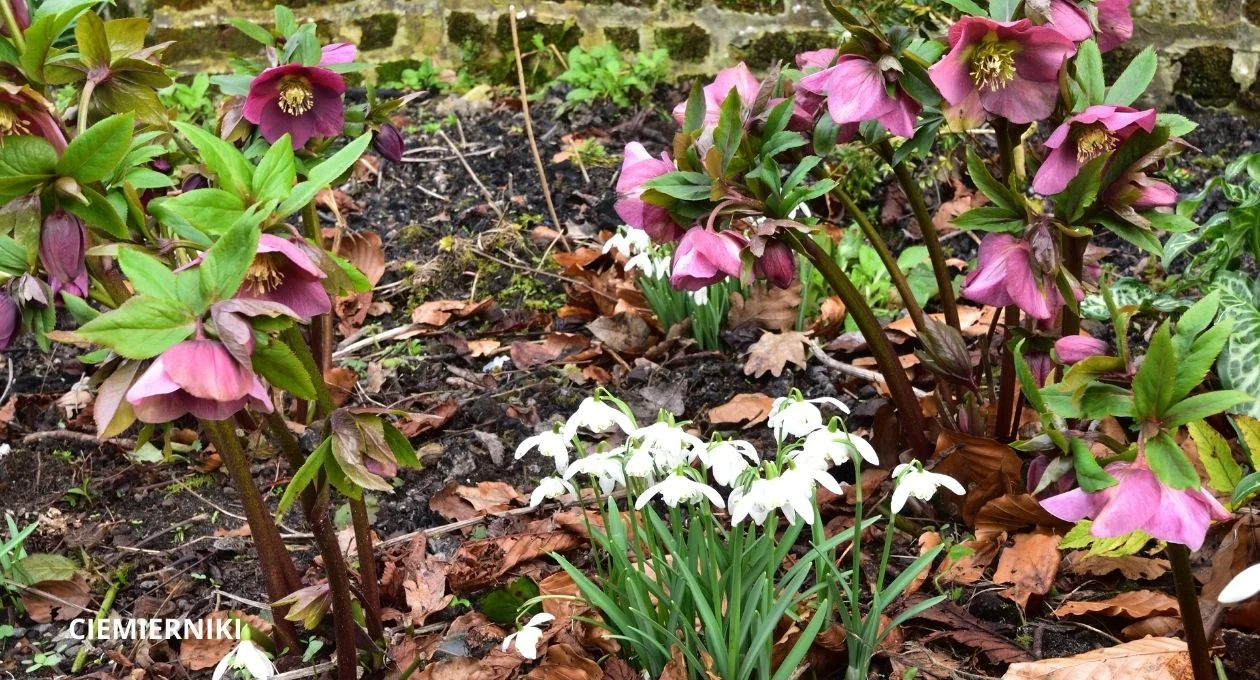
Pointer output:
x,y
855,371
476,180
443,159
542,272
76,437
529,134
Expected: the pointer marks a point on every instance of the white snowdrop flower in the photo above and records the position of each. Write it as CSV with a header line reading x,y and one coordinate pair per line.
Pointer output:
x,y
551,444
597,417
640,463
604,467
527,638
549,488
4,451
249,656
645,263
1243,586
791,493
663,265
913,480
628,242
676,489
700,297
667,443
836,446
726,459
496,363
795,416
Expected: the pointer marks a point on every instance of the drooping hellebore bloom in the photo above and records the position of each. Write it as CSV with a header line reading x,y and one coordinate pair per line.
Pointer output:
x,y
388,142
1074,348
62,246
1009,69
638,168
857,90
10,321
705,257
1008,274
1115,24
1064,16
24,112
283,273
304,101
199,377
1082,138
1140,501
1139,192
337,53
777,264
736,78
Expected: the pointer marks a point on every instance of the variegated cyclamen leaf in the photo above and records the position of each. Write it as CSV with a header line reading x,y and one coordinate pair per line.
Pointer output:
x,y
1127,292
1237,366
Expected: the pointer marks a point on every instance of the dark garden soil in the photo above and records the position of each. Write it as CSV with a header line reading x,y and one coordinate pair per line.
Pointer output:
x,y
173,530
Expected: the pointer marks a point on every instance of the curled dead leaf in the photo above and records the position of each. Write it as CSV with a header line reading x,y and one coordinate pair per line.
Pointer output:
x,y
1150,659
1136,604
1029,565
749,410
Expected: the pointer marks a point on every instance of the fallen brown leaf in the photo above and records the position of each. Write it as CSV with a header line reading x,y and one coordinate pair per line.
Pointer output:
x,y
626,333
774,351
480,563
749,409
565,662
490,497
1132,567
341,382
1029,565
414,424
424,588
1136,604
1148,659
48,601
773,309
554,347
968,630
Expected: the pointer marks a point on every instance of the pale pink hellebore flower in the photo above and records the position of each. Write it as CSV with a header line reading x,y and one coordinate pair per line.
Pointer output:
x,y
1074,348
1007,275
283,273
198,377
705,257
736,78
638,168
1082,138
856,89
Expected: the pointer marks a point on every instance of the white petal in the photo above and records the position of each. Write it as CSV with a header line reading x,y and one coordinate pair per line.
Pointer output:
x,y
539,619
527,642
647,495
833,401
714,496
899,496
901,469
864,449
255,660
948,482
1246,584
507,641
224,664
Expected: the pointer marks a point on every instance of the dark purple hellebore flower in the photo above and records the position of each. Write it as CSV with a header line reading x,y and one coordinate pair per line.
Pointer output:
x,y
200,377
777,264
10,321
388,142
1084,137
62,247
1009,69
283,273
24,112
304,101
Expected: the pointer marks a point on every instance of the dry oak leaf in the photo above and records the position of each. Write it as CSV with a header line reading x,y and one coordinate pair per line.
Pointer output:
x,y
436,312
771,308
1149,659
555,347
1132,567
60,600
626,333
1136,604
482,348
565,662
490,497
965,629
413,424
749,409
774,351
1029,565
480,563
425,589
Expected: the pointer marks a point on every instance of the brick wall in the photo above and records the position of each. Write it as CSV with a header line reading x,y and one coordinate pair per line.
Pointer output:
x,y
1209,49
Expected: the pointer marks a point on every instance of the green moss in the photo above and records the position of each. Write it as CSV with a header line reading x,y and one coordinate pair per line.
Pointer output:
x,y
1206,76
464,27
202,42
757,6
624,37
378,31
685,43
564,36
180,5
686,4
412,236
391,71
1252,11
764,50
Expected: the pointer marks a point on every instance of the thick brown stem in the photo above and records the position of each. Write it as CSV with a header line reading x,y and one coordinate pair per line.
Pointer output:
x,y
1074,248
321,326
1003,425
279,575
344,629
885,255
1191,616
367,567
931,239
899,387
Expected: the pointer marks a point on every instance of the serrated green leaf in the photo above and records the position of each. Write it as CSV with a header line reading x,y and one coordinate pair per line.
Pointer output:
x,y
303,477
322,175
224,266
1152,390
226,164
1217,458
1135,78
147,274
273,178
141,328
281,367
94,155
1169,462
1089,474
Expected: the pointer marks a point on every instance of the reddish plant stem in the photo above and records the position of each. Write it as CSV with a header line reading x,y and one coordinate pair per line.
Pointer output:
x,y
1074,248
1003,425
367,566
344,629
913,424
279,575
1191,616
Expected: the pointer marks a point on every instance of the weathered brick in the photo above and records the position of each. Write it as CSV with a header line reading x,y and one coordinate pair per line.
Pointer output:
x,y
1207,76
192,44
377,31
624,37
767,49
685,43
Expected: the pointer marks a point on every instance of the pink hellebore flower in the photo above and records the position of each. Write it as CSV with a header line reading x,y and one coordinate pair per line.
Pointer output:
x,y
304,101
638,168
199,377
705,257
737,78
1008,69
338,53
1007,274
1140,192
1140,501
1084,137
24,112
1064,16
777,264
283,273
1076,348
62,246
857,91
1115,24
10,321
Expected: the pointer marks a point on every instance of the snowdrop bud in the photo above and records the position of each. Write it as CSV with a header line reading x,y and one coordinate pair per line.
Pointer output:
x,y
550,488
1243,586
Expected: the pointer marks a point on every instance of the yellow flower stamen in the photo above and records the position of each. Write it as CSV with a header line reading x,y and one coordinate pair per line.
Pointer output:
x,y
264,274
11,123
993,65
1092,141
296,96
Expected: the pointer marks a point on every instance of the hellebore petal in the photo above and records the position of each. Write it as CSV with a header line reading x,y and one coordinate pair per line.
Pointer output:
x,y
777,264
62,245
857,91
1085,136
199,377
738,79
705,257
1070,20
10,321
338,53
282,272
303,101
638,168
1077,347
388,142
1115,24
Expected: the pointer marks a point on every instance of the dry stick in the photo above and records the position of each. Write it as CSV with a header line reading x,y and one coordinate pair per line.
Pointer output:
x,y
279,574
855,371
529,133
476,180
